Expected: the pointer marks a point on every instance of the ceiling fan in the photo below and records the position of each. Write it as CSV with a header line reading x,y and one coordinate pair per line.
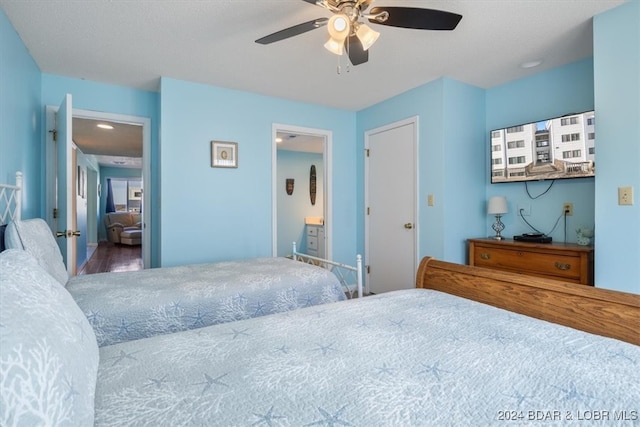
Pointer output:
x,y
348,32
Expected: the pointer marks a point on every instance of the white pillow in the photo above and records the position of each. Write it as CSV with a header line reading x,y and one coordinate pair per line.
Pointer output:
x,y
49,353
35,237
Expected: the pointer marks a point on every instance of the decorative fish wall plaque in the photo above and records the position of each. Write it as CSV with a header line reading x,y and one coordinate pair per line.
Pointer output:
x,y
312,184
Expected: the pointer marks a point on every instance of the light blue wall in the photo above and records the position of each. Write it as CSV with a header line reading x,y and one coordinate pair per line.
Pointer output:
x,y
464,187
617,96
450,144
20,120
563,90
210,214
88,95
292,209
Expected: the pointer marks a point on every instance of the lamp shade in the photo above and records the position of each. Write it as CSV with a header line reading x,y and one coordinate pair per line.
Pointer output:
x,y
367,36
497,205
335,46
339,26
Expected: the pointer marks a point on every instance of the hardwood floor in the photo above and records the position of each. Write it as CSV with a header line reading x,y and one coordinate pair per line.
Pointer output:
x,y
112,257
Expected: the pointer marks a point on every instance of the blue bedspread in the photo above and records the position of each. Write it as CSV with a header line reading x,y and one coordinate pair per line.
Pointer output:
x,y
131,305
406,358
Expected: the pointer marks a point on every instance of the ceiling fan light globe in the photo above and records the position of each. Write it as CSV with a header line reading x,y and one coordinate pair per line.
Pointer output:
x,y
335,46
367,36
339,26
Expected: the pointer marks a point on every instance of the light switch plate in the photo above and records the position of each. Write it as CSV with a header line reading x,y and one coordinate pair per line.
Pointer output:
x,y
625,196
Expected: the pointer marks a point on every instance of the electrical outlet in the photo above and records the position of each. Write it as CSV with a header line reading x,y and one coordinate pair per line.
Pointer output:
x,y
524,209
567,208
430,200
625,196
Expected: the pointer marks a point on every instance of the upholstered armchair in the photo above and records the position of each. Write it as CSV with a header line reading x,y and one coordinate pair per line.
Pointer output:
x,y
123,227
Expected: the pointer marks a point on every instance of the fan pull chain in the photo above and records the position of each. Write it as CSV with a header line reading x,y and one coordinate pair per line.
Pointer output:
x,y
339,66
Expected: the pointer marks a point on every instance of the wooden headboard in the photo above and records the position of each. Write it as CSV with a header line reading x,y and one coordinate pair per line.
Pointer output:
x,y
599,311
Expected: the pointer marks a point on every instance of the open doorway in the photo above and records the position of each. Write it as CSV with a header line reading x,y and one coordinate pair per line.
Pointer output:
x,y
100,150
301,190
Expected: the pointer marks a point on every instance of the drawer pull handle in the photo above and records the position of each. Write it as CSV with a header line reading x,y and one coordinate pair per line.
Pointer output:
x,y
485,255
563,266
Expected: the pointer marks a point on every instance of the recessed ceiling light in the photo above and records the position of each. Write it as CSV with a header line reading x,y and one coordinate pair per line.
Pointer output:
x,y
119,162
104,126
531,64
278,139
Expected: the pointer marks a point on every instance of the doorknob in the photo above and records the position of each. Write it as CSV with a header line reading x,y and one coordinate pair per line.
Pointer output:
x,y
408,226
68,234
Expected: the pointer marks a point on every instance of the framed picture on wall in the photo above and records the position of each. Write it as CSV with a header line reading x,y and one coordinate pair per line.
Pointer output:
x,y
224,154
135,193
82,182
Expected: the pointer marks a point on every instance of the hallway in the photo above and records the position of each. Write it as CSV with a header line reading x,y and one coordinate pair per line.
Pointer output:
x,y
110,257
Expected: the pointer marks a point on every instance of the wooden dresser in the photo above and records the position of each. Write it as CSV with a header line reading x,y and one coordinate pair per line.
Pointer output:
x,y
561,261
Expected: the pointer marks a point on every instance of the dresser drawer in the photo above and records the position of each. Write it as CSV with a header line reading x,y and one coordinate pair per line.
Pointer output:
x,y
312,243
565,267
312,231
560,261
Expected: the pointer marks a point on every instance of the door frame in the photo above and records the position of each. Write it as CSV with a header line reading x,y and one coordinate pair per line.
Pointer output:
x,y
414,121
145,122
327,163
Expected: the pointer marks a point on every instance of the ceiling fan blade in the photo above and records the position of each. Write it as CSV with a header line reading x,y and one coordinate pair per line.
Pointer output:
x,y
357,55
416,18
293,31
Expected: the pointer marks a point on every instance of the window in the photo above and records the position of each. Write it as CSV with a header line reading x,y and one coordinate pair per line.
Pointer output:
x,y
496,147
497,173
517,160
544,143
515,129
496,161
569,121
592,150
495,134
571,154
591,135
591,121
542,156
127,194
568,137
515,144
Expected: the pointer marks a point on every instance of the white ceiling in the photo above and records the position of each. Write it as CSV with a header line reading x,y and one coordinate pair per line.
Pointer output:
x,y
120,147
133,43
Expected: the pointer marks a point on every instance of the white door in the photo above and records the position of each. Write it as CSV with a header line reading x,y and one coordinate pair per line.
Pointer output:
x,y
65,227
390,211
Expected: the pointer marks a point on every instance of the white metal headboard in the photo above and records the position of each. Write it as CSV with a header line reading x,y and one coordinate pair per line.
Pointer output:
x,y
350,277
11,200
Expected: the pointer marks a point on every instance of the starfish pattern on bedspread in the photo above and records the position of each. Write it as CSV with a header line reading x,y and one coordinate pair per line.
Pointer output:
x,y
331,419
267,418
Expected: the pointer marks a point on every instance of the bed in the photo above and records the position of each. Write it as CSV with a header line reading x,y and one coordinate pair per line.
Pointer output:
x,y
126,306
417,357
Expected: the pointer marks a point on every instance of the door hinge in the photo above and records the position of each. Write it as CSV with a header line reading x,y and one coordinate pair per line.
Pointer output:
x,y
54,132
366,150
368,269
55,213
368,210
